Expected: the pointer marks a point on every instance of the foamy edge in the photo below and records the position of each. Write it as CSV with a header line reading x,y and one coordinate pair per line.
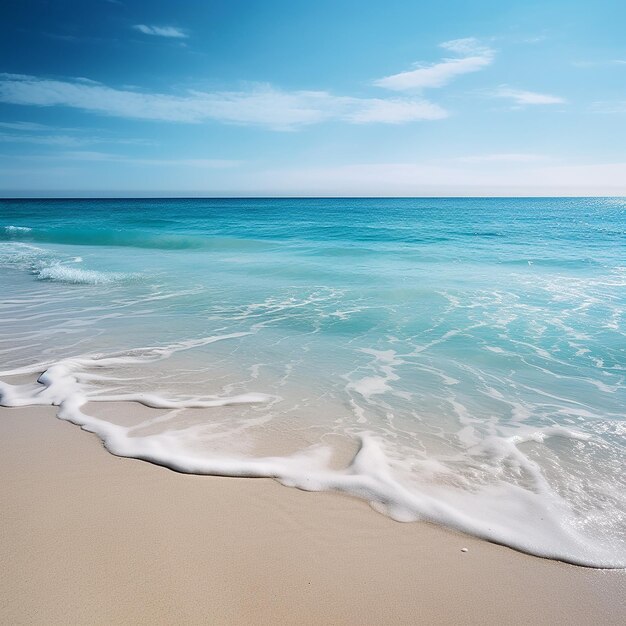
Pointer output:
x,y
368,476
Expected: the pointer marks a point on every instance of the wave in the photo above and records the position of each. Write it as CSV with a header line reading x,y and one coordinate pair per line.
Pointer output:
x,y
535,521
77,276
127,238
15,230
48,266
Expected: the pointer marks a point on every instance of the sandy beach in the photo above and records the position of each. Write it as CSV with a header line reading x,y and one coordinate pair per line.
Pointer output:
x,y
312,313
91,538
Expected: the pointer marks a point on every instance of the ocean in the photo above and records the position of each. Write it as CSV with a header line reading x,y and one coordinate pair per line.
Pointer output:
x,y
457,361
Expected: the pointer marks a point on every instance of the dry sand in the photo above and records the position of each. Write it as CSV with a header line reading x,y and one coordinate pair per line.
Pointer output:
x,y
88,538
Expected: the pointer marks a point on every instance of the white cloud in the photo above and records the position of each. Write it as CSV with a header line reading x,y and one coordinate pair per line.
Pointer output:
x,y
522,97
260,105
472,57
161,31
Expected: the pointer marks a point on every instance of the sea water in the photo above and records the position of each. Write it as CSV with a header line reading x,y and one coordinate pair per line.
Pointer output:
x,y
459,361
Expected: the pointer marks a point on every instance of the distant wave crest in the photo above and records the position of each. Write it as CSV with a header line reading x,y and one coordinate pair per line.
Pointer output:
x,y
50,266
77,276
15,230
127,238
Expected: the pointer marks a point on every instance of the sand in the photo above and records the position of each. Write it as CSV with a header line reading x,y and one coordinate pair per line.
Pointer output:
x,y
89,538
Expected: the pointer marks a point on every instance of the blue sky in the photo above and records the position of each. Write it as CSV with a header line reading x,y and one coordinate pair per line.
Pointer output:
x,y
342,97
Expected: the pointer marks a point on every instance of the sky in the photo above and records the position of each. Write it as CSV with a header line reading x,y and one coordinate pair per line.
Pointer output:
x,y
312,98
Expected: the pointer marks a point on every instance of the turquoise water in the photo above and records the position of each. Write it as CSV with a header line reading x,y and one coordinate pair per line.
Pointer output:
x,y
455,360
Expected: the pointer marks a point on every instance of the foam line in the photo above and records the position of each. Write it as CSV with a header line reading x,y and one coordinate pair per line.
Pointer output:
x,y
501,513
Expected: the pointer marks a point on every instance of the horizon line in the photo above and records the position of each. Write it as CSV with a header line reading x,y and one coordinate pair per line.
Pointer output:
x,y
301,197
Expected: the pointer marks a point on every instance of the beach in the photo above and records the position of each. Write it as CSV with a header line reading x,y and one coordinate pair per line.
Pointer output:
x,y
450,360
355,411
88,537
312,313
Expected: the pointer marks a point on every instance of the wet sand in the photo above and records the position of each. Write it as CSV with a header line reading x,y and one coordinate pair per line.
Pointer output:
x,y
89,538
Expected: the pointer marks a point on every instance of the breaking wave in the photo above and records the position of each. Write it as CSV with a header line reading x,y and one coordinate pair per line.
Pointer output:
x,y
50,266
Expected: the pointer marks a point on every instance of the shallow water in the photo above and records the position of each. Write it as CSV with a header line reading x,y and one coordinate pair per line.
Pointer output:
x,y
455,360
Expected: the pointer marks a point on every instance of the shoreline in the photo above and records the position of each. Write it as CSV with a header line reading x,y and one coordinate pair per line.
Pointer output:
x,y
91,537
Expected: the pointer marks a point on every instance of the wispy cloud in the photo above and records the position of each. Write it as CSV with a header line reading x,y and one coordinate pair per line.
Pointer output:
x,y
609,62
472,56
260,105
10,76
385,111
86,155
44,134
523,97
64,140
26,126
50,140
161,31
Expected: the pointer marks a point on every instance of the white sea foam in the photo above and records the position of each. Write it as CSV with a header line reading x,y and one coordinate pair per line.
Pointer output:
x,y
385,362
533,519
17,229
52,266
77,276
